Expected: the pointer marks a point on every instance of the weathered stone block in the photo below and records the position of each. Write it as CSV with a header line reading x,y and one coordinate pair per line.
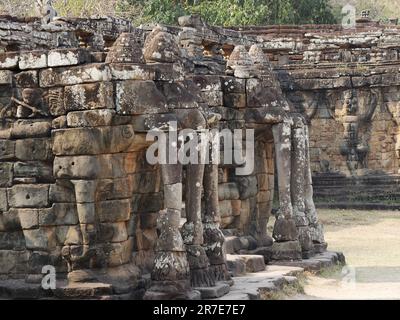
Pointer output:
x,y
9,60
168,71
147,122
120,253
173,196
27,79
12,241
97,140
59,123
290,250
235,100
247,186
207,83
40,258
6,174
95,72
145,182
66,57
33,149
233,85
147,220
146,239
85,191
228,191
32,60
132,72
236,207
36,170
29,218
7,149
257,96
225,208
114,210
40,239
13,262
3,200
61,192
68,235
9,221
265,208
112,189
113,232
139,97
5,77
263,182
143,203
90,118
264,196
28,196
213,98
59,214
89,96
285,230
30,129
83,167
86,213
55,101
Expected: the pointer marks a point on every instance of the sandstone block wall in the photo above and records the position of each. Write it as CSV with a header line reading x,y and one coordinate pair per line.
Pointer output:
x,y
77,98
345,82
67,157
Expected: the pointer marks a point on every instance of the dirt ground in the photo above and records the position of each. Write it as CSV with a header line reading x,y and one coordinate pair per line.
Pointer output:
x,y
370,240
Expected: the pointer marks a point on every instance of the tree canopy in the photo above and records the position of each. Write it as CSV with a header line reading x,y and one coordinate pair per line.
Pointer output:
x,y
229,12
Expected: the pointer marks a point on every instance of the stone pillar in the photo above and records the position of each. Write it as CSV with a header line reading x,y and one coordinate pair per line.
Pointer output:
x,y
213,236
316,229
192,230
264,164
170,275
285,232
82,258
298,185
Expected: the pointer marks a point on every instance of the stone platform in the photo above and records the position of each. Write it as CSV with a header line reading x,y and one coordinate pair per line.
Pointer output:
x,y
18,289
256,281
260,285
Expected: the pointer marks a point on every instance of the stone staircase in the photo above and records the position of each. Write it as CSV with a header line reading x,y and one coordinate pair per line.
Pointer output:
x,y
254,286
257,277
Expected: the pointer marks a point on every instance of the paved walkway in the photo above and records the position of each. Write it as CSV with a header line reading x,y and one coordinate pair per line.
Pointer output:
x,y
370,240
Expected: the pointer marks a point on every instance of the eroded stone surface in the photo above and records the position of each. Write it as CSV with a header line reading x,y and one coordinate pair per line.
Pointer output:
x,y
77,192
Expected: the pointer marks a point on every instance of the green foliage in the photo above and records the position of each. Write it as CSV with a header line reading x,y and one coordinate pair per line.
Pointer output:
x,y
145,11
229,12
75,8
232,12
312,12
215,12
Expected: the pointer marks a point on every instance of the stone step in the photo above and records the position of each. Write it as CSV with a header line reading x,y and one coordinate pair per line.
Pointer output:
x,y
241,264
220,289
266,252
316,263
232,244
255,286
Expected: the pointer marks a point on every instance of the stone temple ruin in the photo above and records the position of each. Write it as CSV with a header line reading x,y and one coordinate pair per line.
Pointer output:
x,y
78,97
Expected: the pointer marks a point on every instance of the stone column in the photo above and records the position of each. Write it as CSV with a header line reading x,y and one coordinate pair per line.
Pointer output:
x,y
213,237
298,185
192,230
265,195
316,229
285,232
170,275
82,258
